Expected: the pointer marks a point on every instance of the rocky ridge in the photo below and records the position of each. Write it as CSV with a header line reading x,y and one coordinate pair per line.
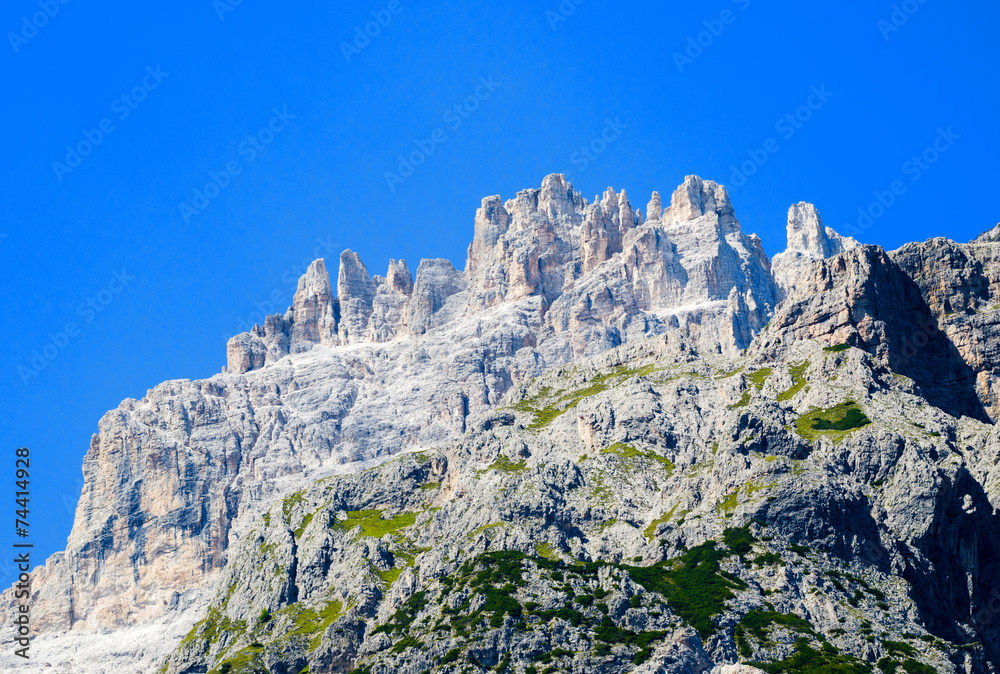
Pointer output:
x,y
588,365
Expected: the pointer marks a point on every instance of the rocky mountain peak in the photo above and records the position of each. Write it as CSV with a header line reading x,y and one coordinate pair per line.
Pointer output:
x,y
314,310
399,278
808,240
595,395
654,209
696,197
989,236
806,232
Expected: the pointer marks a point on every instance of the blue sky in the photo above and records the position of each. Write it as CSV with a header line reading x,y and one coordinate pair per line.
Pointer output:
x,y
118,275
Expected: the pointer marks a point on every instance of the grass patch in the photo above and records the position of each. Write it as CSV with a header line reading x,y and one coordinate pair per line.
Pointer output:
x,y
391,576
758,377
567,400
545,551
835,422
742,402
798,373
427,486
478,530
505,465
630,452
372,524
650,531
836,348
290,502
309,622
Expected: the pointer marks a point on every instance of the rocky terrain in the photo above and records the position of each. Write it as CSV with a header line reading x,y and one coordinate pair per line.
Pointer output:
x,y
616,442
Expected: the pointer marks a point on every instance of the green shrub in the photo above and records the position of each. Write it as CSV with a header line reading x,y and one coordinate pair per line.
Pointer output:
x,y
835,422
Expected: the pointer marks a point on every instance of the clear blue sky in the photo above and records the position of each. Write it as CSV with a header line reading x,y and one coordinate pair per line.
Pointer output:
x,y
198,87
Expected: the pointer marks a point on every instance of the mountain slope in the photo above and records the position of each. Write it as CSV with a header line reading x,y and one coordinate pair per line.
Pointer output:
x,y
638,402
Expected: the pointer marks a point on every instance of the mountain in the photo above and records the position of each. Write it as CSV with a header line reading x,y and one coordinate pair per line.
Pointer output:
x,y
614,442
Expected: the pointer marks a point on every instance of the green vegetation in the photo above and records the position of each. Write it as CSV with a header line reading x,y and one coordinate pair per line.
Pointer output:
x,y
545,551
899,648
888,665
372,524
290,502
808,660
742,402
391,576
650,531
759,624
478,530
768,559
213,625
729,503
694,584
835,422
307,622
609,634
427,486
630,452
405,615
506,465
913,667
758,377
247,661
566,400
798,373
606,524
837,348
302,527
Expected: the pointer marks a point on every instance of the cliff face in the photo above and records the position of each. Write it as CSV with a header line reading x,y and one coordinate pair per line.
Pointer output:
x,y
584,350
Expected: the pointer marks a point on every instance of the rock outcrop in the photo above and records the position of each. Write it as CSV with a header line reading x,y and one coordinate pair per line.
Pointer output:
x,y
808,240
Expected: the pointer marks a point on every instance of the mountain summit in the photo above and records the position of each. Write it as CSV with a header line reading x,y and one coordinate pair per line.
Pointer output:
x,y
615,441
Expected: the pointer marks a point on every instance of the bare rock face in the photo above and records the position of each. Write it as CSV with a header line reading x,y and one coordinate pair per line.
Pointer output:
x,y
437,280
525,247
389,306
314,310
356,292
808,240
961,285
862,298
604,229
